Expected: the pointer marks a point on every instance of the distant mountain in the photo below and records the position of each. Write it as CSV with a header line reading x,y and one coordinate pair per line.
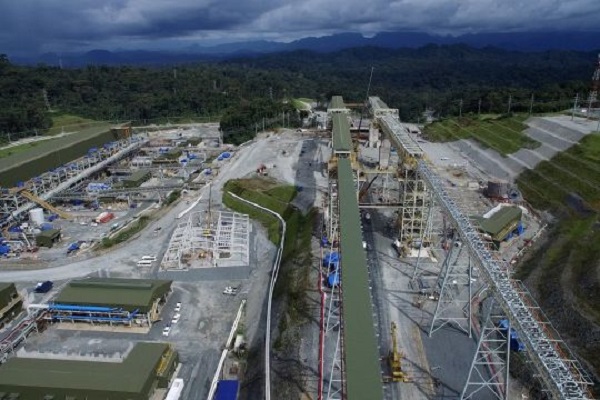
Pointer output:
x,y
519,41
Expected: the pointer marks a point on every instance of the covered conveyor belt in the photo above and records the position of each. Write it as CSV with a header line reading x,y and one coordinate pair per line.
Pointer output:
x,y
361,356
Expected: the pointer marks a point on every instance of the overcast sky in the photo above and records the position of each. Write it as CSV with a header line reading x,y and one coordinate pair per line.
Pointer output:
x,y
71,25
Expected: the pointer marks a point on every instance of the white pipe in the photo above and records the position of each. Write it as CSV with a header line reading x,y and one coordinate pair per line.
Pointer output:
x,y
274,274
215,380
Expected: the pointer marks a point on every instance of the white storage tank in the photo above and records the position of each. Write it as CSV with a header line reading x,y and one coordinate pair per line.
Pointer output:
x,y
36,216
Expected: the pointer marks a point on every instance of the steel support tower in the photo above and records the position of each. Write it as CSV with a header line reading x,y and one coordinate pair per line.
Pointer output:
x,y
489,372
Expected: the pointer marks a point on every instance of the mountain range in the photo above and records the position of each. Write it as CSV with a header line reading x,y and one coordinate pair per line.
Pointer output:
x,y
518,41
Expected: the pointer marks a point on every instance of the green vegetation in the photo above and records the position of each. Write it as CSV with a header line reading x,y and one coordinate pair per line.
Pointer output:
x,y
68,123
300,105
240,90
565,270
293,280
17,149
173,196
125,234
306,100
501,133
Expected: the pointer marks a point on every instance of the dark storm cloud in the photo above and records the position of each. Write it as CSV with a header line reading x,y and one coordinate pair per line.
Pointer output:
x,y
43,25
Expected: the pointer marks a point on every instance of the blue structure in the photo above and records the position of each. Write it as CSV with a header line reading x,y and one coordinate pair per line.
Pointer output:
x,y
332,260
333,279
227,390
70,312
515,343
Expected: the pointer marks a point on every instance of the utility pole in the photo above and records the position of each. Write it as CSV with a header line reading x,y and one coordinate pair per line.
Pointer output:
x,y
479,108
531,104
509,103
574,106
460,108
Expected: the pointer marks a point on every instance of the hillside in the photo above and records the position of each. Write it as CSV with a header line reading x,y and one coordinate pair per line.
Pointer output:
x,y
564,272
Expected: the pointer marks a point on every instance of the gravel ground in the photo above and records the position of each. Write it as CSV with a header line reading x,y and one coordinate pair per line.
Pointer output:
x,y
208,314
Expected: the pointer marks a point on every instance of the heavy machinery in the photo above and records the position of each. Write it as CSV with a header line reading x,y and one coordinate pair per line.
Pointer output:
x,y
395,358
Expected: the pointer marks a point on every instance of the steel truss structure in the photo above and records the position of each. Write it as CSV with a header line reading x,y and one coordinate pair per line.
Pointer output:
x,y
455,283
562,375
334,384
52,183
489,372
222,243
413,197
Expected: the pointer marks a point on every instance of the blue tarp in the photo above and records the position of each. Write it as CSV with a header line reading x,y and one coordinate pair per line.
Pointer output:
x,y
333,279
225,155
227,390
4,250
46,226
515,342
332,260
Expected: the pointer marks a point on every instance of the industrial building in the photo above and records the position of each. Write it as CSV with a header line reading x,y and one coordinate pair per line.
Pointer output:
x,y
136,376
10,302
111,301
48,238
136,178
501,222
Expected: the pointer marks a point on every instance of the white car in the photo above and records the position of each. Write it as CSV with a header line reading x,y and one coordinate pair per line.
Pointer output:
x,y
149,258
230,290
178,307
176,318
166,330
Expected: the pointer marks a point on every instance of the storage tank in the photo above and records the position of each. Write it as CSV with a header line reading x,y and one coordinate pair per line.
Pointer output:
x,y
497,189
36,216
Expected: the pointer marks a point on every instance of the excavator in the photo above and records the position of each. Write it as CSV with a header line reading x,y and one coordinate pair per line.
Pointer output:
x,y
395,358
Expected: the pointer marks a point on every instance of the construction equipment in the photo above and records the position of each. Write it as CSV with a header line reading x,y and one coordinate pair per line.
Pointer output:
x,y
395,357
30,196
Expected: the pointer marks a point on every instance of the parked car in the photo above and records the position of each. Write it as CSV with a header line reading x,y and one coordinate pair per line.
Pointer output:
x,y
178,307
166,330
176,318
44,287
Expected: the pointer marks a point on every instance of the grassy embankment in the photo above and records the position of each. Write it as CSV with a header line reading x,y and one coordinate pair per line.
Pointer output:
x,y
293,280
500,133
565,270
60,123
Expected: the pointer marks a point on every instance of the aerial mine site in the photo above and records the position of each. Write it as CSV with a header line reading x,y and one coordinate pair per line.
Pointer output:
x,y
352,220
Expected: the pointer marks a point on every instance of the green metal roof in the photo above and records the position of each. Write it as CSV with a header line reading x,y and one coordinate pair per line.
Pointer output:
x,y
129,294
342,142
337,102
362,366
129,376
501,220
50,233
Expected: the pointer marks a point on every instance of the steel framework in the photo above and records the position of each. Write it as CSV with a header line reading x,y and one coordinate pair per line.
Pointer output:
x,y
225,242
489,371
559,370
333,333
455,283
51,183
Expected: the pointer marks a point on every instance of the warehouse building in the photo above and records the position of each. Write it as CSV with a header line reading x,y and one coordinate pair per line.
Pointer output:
x,y
148,367
128,302
501,223
11,303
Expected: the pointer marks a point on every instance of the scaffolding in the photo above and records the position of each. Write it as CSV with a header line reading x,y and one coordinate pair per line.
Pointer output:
x,y
200,242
